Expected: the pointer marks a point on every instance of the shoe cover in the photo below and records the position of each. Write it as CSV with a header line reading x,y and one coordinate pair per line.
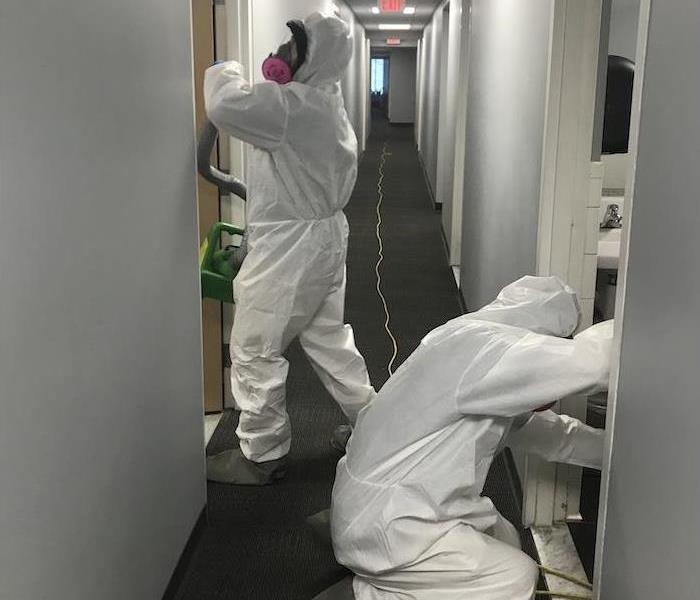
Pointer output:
x,y
234,468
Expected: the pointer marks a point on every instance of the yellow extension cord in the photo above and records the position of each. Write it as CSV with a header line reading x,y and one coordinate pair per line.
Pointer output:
x,y
380,260
566,577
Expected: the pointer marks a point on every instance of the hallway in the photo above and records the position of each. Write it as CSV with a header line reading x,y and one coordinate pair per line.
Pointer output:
x,y
257,544
541,138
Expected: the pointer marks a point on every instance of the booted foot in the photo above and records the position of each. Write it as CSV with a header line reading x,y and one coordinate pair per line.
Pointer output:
x,y
234,468
341,435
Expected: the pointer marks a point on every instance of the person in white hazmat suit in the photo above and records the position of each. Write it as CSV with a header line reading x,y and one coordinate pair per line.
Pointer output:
x,y
407,514
302,171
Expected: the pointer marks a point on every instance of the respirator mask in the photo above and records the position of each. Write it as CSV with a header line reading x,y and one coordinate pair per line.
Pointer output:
x,y
281,66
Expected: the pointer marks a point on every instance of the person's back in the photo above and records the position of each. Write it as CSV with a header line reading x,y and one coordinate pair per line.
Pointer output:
x,y
414,454
418,458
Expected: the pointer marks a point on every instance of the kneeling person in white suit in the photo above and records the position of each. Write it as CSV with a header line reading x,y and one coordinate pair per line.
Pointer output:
x,y
407,514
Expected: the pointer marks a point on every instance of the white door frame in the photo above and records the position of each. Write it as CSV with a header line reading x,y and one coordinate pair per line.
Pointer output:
x,y
234,42
461,134
419,93
568,224
239,47
450,89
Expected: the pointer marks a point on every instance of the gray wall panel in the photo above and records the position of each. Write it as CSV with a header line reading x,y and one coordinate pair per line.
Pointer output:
x,y
432,43
101,437
505,127
652,539
624,21
402,88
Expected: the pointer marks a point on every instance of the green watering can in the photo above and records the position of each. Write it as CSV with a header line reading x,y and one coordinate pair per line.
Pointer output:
x,y
218,266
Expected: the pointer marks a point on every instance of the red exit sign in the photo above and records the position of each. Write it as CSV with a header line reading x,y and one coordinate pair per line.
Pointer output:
x,y
393,41
392,6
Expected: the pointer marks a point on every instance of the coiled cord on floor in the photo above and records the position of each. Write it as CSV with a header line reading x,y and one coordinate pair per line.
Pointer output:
x,y
380,259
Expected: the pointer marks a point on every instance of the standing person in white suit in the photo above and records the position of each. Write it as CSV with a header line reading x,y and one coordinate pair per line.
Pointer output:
x,y
407,515
302,171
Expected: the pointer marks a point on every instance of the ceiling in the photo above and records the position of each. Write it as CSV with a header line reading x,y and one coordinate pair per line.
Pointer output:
x,y
424,12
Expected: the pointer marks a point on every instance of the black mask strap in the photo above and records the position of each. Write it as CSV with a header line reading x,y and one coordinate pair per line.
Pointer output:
x,y
301,39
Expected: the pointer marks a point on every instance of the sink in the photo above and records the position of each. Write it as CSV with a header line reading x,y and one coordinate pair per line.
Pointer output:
x,y
609,239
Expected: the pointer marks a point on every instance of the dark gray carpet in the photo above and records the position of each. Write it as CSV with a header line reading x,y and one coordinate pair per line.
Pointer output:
x,y
257,545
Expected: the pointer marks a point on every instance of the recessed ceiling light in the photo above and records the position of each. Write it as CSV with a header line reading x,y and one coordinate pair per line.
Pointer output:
x,y
375,10
394,26
409,10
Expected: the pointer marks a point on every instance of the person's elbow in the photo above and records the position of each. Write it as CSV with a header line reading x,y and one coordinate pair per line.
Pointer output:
x,y
216,112
221,112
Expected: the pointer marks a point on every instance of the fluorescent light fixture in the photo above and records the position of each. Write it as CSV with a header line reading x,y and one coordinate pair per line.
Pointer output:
x,y
375,10
394,26
409,10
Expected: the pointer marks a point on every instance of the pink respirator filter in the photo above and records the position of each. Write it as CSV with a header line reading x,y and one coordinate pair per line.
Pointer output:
x,y
277,70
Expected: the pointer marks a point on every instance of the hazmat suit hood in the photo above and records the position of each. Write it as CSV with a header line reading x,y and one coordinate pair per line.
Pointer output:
x,y
543,305
329,51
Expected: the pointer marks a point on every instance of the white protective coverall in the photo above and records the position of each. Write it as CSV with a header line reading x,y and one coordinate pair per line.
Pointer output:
x,y
302,171
407,514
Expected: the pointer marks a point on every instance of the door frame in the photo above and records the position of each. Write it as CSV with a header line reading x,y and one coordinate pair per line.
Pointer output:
x,y
621,294
235,42
571,188
203,35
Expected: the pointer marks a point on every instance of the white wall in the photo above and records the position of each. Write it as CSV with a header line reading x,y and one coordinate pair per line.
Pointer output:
x,y
355,83
455,57
462,83
239,47
447,100
622,41
616,168
505,125
624,23
402,85
449,95
651,534
101,435
420,59
430,100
